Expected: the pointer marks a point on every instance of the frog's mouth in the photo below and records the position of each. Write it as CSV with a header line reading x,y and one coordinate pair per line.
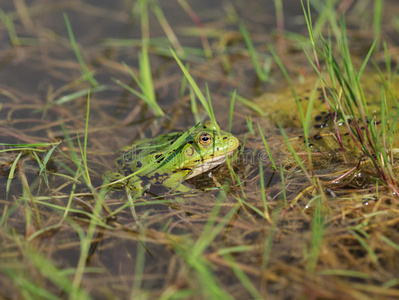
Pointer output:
x,y
209,164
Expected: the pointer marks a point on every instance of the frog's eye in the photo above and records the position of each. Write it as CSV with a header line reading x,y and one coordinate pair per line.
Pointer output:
x,y
205,139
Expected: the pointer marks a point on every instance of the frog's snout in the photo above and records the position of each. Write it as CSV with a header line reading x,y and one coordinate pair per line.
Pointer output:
x,y
231,142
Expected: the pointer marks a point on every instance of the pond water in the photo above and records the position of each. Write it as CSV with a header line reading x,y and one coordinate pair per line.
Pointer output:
x,y
274,234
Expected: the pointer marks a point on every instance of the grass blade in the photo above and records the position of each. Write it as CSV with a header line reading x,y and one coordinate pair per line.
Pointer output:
x,y
85,69
11,174
262,75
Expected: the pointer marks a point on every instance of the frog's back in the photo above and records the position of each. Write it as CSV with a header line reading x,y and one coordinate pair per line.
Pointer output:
x,y
144,153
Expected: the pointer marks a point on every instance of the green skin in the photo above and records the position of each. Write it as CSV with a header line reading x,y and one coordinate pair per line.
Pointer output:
x,y
159,163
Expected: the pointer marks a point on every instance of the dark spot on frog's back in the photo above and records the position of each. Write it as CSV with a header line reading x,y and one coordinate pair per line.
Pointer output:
x,y
139,164
129,156
137,151
126,170
158,156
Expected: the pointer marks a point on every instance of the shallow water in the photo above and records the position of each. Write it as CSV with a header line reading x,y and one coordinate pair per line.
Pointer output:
x,y
38,76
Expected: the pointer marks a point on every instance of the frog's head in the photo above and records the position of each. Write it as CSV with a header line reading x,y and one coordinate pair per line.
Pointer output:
x,y
207,148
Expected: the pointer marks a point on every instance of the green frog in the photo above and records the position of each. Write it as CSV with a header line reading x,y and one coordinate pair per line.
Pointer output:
x,y
170,159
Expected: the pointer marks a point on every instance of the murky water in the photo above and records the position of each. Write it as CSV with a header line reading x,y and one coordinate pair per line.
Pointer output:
x,y
147,246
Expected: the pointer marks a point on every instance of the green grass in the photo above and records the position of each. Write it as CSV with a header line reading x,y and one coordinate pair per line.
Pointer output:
x,y
348,99
262,73
317,234
8,22
250,104
267,148
206,102
244,279
263,192
377,20
266,229
95,215
48,270
11,174
196,20
85,69
232,103
157,9
193,252
145,84
139,269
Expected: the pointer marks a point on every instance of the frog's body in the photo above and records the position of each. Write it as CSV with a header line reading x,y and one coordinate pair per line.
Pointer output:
x,y
161,161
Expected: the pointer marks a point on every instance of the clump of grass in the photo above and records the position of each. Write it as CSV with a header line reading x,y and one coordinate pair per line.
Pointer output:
x,y
45,267
193,253
24,150
349,102
146,83
46,272
305,120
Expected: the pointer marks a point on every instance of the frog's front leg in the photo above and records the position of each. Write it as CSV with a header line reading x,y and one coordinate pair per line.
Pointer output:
x,y
109,177
175,184
134,185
